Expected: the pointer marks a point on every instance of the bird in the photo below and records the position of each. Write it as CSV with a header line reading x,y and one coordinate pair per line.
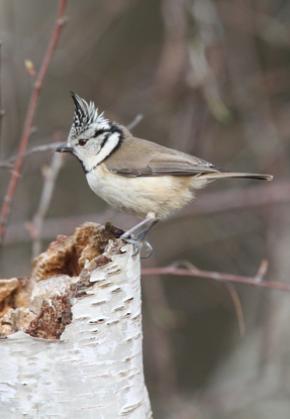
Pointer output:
x,y
135,175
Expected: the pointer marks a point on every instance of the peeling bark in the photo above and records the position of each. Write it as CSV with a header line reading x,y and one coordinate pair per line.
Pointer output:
x,y
72,333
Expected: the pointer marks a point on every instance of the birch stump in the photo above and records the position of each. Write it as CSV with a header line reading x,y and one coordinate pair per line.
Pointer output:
x,y
71,335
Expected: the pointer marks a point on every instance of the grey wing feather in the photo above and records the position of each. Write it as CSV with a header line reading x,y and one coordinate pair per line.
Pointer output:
x,y
162,168
137,157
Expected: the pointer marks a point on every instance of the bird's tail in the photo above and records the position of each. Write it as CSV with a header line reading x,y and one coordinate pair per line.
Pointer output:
x,y
237,175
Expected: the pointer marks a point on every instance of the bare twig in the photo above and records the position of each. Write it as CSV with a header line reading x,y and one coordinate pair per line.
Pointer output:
x,y
1,104
218,276
263,268
229,287
42,148
50,175
7,164
31,109
237,306
136,121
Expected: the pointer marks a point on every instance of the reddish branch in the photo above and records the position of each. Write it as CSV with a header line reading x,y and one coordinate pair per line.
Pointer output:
x,y
31,109
1,110
256,281
237,306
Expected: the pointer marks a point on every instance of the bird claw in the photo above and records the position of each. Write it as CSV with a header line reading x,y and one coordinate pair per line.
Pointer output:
x,y
147,250
136,236
139,246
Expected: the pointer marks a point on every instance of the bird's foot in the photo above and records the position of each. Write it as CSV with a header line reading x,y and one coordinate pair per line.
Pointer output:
x,y
136,236
139,246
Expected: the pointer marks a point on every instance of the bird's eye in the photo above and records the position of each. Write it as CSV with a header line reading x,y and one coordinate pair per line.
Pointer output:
x,y
82,141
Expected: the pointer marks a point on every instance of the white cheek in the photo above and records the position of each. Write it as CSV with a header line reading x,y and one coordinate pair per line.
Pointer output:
x,y
96,156
80,152
87,151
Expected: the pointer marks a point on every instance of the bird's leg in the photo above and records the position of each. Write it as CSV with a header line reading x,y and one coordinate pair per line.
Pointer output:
x,y
136,235
140,230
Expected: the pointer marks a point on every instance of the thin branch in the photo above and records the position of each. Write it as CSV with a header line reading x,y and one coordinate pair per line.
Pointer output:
x,y
263,268
5,165
254,281
8,164
52,146
31,109
42,148
237,306
50,177
136,121
1,104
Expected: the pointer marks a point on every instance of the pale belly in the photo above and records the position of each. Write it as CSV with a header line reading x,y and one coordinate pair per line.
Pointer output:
x,y
141,195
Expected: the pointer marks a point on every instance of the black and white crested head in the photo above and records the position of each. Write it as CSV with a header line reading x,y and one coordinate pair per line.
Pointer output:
x,y
86,115
92,137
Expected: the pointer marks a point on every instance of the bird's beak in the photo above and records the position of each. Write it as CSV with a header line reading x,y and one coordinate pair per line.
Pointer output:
x,y
63,148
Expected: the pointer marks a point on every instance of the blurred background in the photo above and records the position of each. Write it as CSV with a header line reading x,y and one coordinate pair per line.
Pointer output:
x,y
211,78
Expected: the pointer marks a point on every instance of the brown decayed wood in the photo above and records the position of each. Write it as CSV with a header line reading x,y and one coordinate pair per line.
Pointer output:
x,y
41,305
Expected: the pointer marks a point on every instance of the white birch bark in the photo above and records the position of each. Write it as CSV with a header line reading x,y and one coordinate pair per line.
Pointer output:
x,y
95,369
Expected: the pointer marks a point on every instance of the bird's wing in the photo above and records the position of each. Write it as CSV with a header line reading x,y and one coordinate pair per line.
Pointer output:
x,y
137,157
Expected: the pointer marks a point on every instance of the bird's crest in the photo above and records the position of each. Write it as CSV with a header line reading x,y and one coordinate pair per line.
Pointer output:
x,y
85,114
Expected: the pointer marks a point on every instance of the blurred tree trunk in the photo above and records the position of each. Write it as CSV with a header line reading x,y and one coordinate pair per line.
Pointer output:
x,y
72,333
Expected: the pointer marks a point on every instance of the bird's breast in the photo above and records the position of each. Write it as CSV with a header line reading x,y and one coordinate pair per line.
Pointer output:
x,y
140,195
